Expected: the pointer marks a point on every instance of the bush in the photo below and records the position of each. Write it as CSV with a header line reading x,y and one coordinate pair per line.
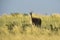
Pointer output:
x,y
10,26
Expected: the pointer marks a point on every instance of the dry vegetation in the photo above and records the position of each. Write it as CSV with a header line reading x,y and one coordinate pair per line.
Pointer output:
x,y
19,27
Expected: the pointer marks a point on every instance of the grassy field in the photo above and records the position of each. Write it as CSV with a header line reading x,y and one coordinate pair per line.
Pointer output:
x,y
19,27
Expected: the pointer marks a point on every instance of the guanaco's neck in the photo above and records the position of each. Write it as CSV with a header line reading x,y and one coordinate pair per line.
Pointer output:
x,y
31,14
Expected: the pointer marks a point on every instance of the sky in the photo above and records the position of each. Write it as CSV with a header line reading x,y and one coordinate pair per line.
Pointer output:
x,y
26,6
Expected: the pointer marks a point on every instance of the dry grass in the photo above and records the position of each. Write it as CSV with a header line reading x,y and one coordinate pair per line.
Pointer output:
x,y
30,32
